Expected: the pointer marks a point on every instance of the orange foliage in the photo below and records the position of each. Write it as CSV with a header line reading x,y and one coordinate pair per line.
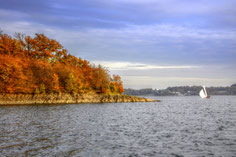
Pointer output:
x,y
118,84
42,65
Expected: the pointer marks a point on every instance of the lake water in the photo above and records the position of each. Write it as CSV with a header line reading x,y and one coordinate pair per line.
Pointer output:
x,y
176,126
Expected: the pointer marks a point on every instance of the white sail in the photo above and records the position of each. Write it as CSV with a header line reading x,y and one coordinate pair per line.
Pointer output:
x,y
202,94
205,90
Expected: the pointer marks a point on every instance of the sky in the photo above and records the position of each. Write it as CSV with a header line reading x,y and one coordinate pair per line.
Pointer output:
x,y
149,43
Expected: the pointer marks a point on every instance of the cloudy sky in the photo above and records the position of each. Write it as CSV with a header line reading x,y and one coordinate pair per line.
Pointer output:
x,y
150,43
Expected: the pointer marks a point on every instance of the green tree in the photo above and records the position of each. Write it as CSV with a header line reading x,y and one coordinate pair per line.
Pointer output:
x,y
71,85
42,89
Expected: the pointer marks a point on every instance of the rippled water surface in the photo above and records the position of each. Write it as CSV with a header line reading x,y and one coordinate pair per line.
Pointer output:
x,y
176,126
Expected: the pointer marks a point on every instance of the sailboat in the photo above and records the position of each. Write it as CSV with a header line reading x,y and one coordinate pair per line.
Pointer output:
x,y
203,93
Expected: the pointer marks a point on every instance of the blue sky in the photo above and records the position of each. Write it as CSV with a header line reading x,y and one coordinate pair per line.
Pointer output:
x,y
150,43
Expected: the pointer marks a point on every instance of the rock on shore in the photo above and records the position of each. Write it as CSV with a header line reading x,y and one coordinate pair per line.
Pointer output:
x,y
14,99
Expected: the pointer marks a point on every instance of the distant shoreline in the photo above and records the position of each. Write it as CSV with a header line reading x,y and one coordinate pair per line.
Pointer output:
x,y
30,99
182,91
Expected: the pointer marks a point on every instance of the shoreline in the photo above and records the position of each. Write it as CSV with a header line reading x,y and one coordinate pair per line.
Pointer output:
x,y
36,99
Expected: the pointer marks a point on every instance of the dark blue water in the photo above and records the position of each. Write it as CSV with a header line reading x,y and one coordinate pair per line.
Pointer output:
x,y
177,126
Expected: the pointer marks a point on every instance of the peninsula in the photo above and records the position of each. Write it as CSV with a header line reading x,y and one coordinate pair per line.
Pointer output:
x,y
38,70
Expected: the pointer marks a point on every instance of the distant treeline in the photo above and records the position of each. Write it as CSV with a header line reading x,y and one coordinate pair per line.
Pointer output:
x,y
183,90
38,64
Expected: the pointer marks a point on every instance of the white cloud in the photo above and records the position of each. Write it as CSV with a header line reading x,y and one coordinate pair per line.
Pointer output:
x,y
137,33
138,66
138,82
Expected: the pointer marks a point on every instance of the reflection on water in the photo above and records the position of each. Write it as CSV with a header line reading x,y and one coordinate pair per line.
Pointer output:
x,y
177,126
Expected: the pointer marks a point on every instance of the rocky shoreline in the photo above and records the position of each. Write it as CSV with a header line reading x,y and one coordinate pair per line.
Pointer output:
x,y
22,99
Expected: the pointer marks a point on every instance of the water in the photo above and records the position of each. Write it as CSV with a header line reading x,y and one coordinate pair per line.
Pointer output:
x,y
177,126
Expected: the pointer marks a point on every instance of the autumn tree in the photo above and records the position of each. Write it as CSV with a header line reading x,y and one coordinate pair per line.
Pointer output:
x,y
41,65
118,83
8,45
46,48
55,84
100,80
